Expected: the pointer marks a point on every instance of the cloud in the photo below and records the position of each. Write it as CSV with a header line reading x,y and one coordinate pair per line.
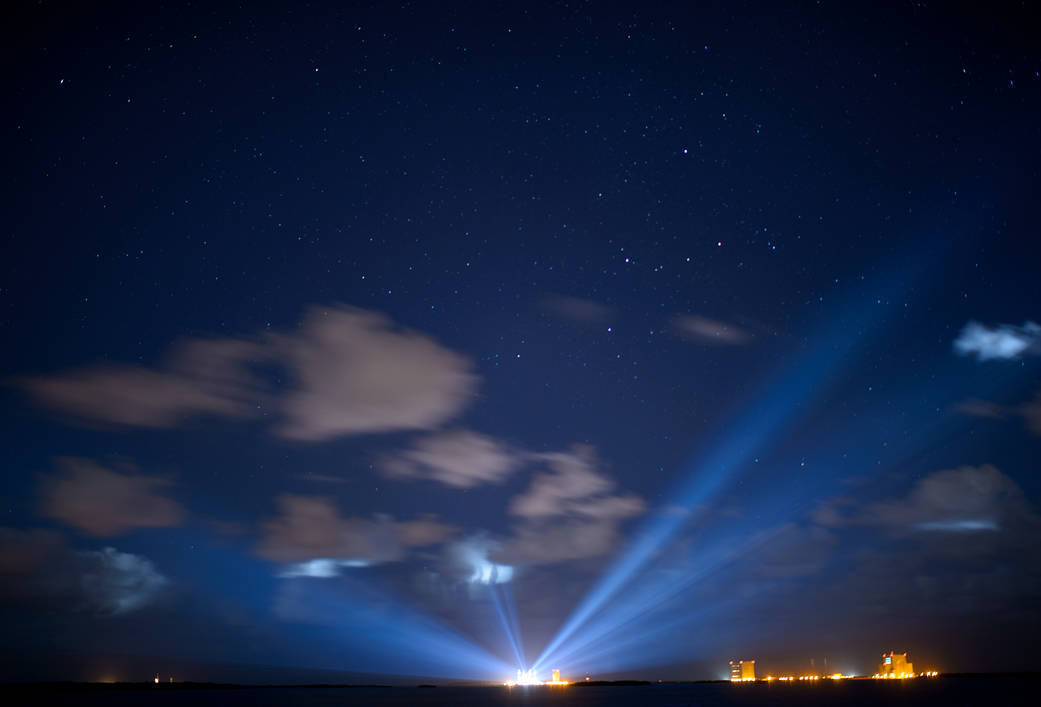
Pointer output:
x,y
114,582
573,488
1031,413
563,540
792,551
351,372
458,458
356,373
40,570
710,331
23,551
577,309
321,568
963,500
198,377
975,407
569,513
468,560
311,536
100,502
1004,341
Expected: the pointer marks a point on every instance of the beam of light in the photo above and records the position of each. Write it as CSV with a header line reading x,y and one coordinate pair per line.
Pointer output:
x,y
770,414
657,593
386,634
780,406
511,615
507,627
644,644
624,620
621,622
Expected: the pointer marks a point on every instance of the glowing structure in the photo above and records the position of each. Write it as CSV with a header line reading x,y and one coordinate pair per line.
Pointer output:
x,y
895,665
524,677
556,679
528,677
742,671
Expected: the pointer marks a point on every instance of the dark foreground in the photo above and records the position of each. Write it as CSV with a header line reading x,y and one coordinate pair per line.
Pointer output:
x,y
941,691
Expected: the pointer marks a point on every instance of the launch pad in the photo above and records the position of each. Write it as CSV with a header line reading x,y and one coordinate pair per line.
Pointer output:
x,y
528,677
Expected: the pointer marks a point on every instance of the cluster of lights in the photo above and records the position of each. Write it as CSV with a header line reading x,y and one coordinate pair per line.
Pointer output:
x,y
793,678
889,676
527,677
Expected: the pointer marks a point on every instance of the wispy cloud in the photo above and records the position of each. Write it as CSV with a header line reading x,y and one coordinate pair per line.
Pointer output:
x,y
311,537
963,500
710,331
458,458
350,371
974,407
1030,411
1001,342
570,513
198,377
101,502
578,309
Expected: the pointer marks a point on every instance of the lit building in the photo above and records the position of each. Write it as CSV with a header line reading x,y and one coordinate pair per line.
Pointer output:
x,y
556,676
895,665
742,670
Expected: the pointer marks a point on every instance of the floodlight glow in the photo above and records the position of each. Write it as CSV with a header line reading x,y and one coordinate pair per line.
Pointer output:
x,y
511,635
391,633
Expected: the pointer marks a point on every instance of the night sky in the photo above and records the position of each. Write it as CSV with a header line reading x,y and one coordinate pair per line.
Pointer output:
x,y
446,340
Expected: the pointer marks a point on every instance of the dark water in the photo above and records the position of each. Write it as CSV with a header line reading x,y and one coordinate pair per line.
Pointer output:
x,y
945,692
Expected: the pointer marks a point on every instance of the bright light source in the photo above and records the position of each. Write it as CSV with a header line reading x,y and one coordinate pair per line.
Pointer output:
x,y
528,677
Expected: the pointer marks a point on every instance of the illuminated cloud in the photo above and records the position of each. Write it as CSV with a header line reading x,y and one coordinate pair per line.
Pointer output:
x,y
40,570
321,567
958,526
709,331
1004,341
469,559
351,372
115,582
963,500
356,373
101,502
569,513
458,458
314,540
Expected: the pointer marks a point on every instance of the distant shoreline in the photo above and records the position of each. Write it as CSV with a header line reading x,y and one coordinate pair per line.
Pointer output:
x,y
73,686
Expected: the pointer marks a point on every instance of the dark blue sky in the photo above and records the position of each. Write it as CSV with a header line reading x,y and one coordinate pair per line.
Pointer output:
x,y
448,340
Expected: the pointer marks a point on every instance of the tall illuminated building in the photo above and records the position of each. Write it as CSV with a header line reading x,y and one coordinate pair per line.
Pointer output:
x,y
742,670
895,665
